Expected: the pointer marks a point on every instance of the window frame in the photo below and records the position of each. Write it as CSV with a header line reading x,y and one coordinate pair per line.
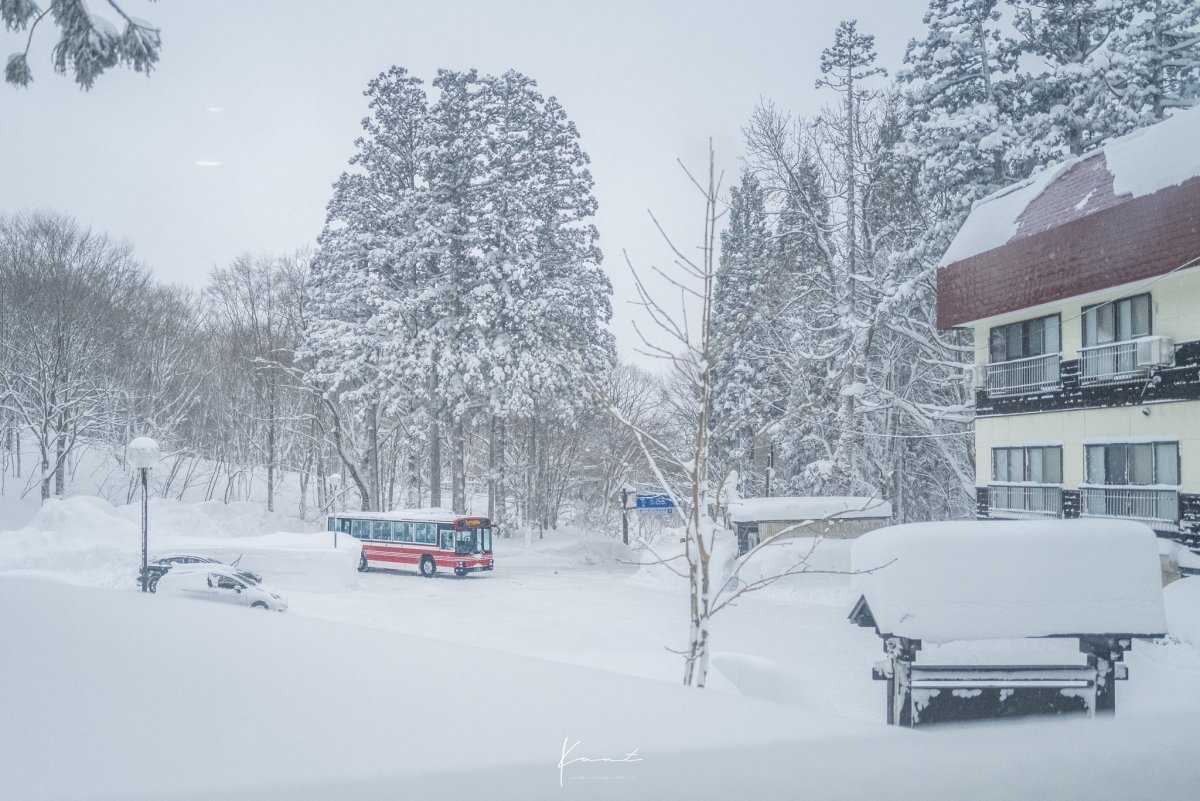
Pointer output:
x,y
1025,464
1155,445
1025,329
1116,305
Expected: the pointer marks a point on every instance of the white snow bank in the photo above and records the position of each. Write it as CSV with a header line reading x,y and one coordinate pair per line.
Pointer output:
x,y
96,543
1007,579
119,695
1182,599
1141,163
749,510
561,548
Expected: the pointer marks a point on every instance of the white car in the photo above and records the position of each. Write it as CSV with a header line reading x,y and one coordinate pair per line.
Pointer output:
x,y
222,583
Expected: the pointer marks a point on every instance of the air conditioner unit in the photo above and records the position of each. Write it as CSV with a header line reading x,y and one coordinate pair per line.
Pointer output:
x,y
1155,352
975,376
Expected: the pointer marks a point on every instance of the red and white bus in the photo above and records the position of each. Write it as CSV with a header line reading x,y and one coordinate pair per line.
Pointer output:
x,y
427,540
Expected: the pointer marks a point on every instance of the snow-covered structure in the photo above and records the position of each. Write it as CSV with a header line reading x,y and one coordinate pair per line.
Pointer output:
x,y
1082,286
842,517
922,584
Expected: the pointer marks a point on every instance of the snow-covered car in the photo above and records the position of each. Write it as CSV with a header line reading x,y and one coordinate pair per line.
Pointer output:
x,y
159,567
216,582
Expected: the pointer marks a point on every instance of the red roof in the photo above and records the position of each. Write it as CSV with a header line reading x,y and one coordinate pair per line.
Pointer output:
x,y
1124,213
1067,254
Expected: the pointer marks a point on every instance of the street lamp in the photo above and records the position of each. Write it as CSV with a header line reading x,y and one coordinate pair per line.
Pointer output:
x,y
143,454
335,481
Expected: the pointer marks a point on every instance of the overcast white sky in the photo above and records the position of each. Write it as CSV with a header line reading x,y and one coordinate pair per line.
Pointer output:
x,y
646,83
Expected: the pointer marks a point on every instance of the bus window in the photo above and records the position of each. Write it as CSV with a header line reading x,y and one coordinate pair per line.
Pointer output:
x,y
345,521
361,530
425,533
485,539
447,543
381,530
402,532
331,524
466,542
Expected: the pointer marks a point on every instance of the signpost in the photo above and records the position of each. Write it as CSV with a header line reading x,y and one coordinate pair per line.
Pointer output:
x,y
649,496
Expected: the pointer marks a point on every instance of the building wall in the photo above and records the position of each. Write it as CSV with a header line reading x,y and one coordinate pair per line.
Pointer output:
x,y
1175,300
834,529
1173,420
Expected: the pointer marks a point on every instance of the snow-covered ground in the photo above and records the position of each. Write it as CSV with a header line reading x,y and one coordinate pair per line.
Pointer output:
x,y
386,685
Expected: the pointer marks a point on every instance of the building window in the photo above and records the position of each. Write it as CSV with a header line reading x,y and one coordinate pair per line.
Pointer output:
x,y
1140,463
1116,321
1039,464
1037,337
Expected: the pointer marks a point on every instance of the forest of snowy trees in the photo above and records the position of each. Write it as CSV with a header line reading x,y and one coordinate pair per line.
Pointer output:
x,y
825,294
444,341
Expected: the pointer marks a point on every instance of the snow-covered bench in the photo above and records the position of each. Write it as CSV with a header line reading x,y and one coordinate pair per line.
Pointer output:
x,y
1095,581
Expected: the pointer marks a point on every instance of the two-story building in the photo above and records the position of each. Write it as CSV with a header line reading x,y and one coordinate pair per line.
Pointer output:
x,y
1082,287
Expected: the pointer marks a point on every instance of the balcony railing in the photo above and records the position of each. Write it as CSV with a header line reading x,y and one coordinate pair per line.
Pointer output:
x,y
1109,364
1023,376
1025,500
1151,505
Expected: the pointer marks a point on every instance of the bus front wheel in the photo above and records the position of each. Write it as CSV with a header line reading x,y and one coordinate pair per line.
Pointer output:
x,y
427,567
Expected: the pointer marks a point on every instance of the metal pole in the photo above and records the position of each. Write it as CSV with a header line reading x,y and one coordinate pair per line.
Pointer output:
x,y
625,515
145,526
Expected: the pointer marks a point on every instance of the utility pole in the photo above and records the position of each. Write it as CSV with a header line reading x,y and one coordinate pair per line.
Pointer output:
x,y
625,515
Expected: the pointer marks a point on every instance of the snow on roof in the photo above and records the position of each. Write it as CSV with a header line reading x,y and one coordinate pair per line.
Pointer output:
x,y
978,580
750,510
1140,163
437,513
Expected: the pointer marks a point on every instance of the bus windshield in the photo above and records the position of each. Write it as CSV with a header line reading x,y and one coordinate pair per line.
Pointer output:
x,y
466,542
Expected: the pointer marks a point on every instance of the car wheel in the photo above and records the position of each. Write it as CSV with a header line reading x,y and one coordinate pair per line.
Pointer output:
x,y
363,567
428,568
258,605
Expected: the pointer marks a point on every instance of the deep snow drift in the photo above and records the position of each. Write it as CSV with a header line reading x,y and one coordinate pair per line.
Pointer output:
x,y
385,685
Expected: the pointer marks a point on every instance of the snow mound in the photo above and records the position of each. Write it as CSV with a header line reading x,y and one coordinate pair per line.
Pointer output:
x,y
1007,579
749,510
88,540
1182,599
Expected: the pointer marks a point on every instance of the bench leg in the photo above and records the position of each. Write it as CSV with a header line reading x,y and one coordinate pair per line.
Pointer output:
x,y
901,652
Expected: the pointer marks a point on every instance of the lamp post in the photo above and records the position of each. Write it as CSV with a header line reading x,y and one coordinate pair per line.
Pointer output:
x,y
143,454
335,481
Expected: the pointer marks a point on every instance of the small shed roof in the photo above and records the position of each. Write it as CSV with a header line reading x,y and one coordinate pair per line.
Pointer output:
x,y
982,580
757,510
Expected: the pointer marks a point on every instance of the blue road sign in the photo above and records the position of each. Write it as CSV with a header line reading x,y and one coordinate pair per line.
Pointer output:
x,y
652,498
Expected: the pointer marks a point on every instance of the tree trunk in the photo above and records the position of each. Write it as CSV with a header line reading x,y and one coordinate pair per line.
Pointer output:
x,y
501,515
458,498
435,464
373,478
491,482
60,456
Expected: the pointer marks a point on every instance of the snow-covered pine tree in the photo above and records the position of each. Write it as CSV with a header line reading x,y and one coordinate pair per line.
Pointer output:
x,y
88,44
361,293
1065,108
1153,62
846,66
750,332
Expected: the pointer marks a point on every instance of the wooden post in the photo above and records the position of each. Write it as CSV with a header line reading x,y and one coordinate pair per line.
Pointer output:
x,y
1103,654
901,652
625,515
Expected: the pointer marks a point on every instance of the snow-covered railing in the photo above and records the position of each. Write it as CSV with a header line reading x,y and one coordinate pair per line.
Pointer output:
x,y
1134,503
1109,364
1022,376
1026,500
